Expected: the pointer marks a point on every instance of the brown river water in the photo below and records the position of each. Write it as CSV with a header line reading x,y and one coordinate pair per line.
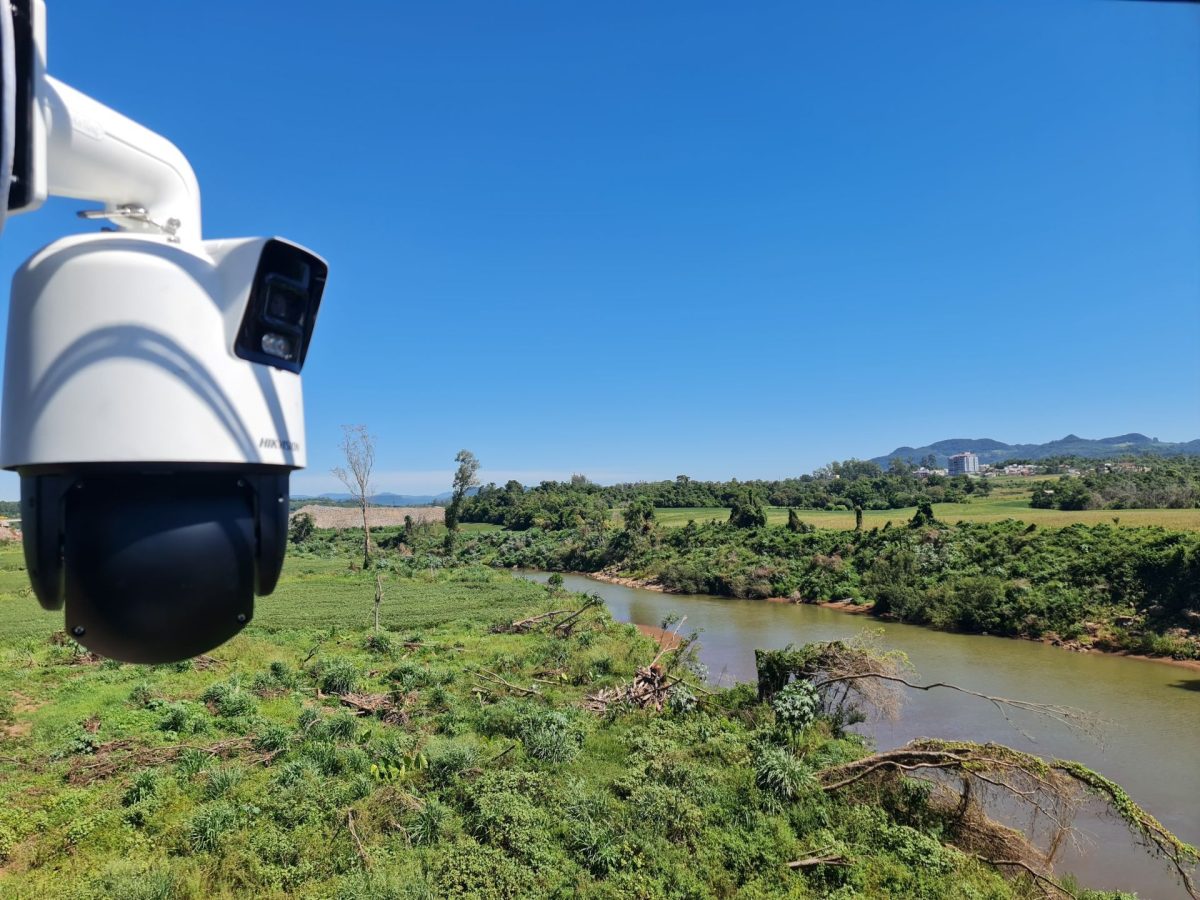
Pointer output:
x,y
1149,744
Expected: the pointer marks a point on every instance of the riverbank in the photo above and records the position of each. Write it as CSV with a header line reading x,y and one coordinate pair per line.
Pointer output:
x,y
438,755
860,609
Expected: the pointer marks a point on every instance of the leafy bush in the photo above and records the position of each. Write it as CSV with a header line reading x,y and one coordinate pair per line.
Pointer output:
x,y
229,699
796,706
551,737
211,824
145,784
482,873
339,676
779,773
427,825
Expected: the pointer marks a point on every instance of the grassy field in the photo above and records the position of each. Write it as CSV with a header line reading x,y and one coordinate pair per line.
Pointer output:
x,y
1009,500
313,592
481,774
989,510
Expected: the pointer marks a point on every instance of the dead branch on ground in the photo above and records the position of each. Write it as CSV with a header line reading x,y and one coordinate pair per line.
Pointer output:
x,y
492,677
117,756
385,706
1053,790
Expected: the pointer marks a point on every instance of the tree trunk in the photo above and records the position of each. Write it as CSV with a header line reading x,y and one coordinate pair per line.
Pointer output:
x,y
366,538
378,598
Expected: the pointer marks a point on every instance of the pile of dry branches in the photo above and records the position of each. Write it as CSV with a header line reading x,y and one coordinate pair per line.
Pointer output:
x,y
652,684
649,690
387,707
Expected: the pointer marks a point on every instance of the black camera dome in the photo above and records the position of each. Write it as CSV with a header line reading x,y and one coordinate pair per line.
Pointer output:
x,y
154,567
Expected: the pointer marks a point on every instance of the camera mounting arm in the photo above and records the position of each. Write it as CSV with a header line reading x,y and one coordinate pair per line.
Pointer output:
x,y
69,145
95,153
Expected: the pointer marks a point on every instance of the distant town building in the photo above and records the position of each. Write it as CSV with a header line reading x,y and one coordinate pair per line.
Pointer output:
x,y
964,464
1023,470
923,472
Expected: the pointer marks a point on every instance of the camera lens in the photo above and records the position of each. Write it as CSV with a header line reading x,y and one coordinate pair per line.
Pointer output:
x,y
277,345
286,306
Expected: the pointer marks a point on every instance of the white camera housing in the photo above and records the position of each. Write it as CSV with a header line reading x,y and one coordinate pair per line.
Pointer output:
x,y
152,398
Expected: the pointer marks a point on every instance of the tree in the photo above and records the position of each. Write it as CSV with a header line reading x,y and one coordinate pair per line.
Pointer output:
x,y
639,517
747,511
302,527
859,494
929,461
464,479
923,516
358,447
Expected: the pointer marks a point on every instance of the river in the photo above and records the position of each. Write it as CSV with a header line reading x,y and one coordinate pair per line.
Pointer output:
x,y
1150,743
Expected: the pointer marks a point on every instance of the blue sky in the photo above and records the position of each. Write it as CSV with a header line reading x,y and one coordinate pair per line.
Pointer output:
x,y
719,239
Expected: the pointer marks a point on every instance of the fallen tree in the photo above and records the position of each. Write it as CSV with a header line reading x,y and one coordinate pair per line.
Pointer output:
x,y
1052,789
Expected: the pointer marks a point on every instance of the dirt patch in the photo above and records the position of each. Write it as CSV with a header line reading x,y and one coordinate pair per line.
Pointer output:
x,y
667,640
341,517
8,533
646,584
855,609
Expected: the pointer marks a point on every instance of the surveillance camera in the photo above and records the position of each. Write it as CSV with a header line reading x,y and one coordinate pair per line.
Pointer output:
x,y
152,400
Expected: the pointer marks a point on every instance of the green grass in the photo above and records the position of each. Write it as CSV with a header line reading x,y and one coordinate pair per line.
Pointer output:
x,y
989,510
478,790
313,592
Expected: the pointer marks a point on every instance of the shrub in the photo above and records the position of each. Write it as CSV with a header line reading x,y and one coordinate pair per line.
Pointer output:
x,y
428,823
551,737
211,824
144,785
221,781
227,698
796,706
779,773
339,676
302,527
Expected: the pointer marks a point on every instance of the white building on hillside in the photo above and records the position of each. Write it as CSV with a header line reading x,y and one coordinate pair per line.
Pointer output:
x,y
964,464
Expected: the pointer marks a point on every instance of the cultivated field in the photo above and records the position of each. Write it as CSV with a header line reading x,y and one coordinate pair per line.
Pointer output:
x,y
378,516
312,593
990,510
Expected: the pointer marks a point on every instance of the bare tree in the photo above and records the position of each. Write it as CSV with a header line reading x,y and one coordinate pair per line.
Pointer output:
x,y
358,446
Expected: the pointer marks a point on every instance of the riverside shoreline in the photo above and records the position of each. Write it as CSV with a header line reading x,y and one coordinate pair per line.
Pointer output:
x,y
855,609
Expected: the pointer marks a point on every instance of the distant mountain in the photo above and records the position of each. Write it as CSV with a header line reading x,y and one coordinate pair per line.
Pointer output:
x,y
384,499
390,499
990,451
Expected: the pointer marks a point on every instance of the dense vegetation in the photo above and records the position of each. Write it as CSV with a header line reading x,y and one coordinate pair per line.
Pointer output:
x,y
451,754
1148,483
839,486
480,775
1172,483
1132,589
